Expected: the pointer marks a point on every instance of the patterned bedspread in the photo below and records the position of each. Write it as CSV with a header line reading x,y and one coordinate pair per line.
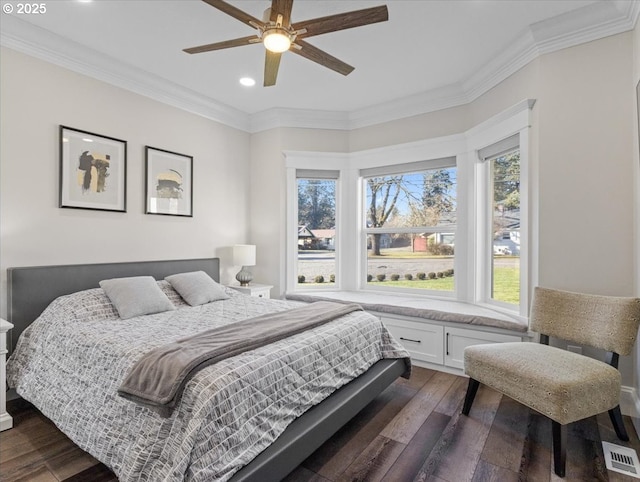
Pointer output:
x,y
70,362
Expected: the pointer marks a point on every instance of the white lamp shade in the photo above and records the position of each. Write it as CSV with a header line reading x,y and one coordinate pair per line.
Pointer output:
x,y
244,255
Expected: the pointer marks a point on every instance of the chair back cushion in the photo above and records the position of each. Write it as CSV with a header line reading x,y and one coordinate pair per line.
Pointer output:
x,y
606,322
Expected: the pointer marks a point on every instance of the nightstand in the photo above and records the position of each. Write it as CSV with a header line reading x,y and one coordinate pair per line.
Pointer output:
x,y
6,421
254,289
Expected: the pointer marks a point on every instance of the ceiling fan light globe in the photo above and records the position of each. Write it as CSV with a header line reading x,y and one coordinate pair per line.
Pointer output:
x,y
276,41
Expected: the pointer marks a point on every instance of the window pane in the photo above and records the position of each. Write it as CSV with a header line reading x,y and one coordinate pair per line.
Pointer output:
x,y
422,261
426,198
505,266
410,258
316,232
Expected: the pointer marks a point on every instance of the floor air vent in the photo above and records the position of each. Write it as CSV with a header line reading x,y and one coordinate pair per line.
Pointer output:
x,y
621,459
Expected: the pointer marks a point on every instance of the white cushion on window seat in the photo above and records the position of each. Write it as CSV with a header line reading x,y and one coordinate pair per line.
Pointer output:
x,y
427,308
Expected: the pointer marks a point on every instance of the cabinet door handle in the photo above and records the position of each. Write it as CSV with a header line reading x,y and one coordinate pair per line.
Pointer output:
x,y
447,348
409,339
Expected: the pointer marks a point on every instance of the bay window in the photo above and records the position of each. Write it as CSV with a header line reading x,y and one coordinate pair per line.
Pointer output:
x,y
447,217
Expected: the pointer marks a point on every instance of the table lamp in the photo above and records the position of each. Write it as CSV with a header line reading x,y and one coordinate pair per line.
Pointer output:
x,y
244,255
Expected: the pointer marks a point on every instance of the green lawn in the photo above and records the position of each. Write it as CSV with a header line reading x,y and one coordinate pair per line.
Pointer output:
x,y
506,284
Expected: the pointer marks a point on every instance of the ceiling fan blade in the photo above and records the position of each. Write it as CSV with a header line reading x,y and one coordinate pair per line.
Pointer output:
x,y
271,65
319,56
222,45
234,12
342,21
281,7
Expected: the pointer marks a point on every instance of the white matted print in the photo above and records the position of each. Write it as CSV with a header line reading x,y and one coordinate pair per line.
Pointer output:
x,y
93,171
169,182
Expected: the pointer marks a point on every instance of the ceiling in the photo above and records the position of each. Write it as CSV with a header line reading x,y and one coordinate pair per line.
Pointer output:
x,y
428,50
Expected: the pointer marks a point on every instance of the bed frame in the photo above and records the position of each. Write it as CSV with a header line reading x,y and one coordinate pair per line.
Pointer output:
x,y
31,289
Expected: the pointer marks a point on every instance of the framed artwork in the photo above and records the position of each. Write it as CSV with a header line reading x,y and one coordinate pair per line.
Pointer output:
x,y
93,171
169,182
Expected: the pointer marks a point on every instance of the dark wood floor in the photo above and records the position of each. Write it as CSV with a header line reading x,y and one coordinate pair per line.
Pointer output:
x,y
412,432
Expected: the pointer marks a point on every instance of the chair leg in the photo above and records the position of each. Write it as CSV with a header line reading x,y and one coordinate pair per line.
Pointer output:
x,y
559,447
472,389
618,424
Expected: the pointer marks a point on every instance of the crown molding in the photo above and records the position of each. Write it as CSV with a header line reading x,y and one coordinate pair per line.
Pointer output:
x,y
301,118
592,22
40,43
429,101
586,24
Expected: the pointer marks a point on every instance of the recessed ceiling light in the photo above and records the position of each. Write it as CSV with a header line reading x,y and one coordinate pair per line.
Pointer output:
x,y
247,81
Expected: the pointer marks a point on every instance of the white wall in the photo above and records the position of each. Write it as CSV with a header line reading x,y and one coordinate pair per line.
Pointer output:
x,y
36,97
586,168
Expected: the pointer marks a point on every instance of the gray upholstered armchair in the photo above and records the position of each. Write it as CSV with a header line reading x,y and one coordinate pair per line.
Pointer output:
x,y
562,385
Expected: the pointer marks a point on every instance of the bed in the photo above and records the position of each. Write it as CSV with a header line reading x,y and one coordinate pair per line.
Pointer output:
x,y
131,439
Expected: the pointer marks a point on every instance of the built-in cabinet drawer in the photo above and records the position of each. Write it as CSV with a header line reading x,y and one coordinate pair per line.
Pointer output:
x,y
438,344
422,341
457,339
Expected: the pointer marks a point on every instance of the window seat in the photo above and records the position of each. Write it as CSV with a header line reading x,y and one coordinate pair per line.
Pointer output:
x,y
429,309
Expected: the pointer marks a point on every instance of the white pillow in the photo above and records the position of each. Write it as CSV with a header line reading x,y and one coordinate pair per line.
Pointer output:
x,y
197,287
135,296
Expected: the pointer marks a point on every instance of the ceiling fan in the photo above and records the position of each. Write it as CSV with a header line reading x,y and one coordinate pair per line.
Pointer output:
x,y
278,34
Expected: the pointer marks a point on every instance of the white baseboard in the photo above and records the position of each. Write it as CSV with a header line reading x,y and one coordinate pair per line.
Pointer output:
x,y
6,422
630,404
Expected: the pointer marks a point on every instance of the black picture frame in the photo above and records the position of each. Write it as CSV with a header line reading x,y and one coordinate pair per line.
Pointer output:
x,y
168,182
93,171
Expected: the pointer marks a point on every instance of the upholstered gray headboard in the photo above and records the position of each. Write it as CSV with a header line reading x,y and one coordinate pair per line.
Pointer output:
x,y
31,289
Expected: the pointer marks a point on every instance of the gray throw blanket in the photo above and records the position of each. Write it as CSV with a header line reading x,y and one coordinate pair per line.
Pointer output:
x,y
159,377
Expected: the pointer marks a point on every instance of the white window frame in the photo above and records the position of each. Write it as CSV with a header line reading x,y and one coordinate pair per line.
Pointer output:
x,y
308,162
509,123
472,263
399,169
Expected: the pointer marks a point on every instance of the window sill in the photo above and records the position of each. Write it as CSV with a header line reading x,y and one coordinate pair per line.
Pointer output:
x,y
430,309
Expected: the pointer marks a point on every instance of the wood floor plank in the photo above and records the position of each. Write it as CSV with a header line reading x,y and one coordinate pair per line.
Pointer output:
x,y
419,377
70,462
32,429
452,402
37,474
374,462
458,452
333,457
414,455
608,434
405,425
505,442
487,472
536,452
28,461
585,458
